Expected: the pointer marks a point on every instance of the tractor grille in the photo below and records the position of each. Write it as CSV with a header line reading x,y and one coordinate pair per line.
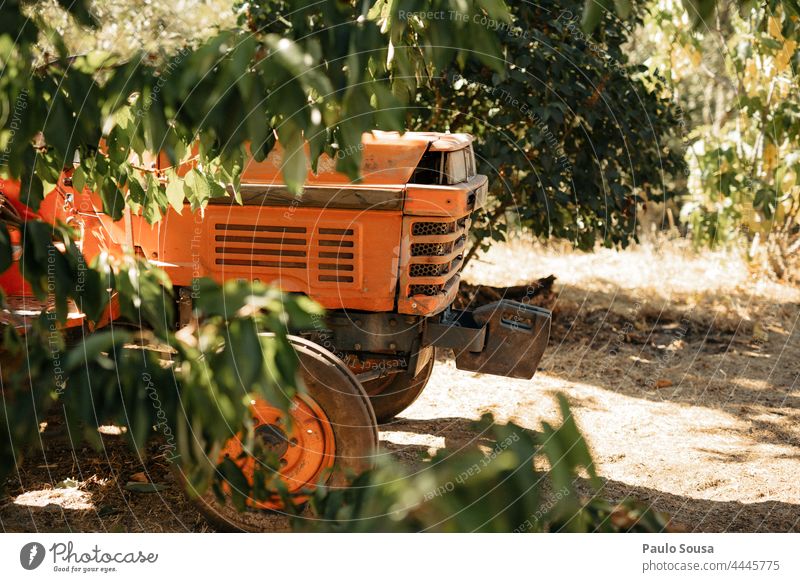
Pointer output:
x,y
261,246
427,270
428,228
427,290
436,247
315,254
336,255
430,249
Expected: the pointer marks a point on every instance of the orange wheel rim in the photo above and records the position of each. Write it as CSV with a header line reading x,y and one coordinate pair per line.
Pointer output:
x,y
305,446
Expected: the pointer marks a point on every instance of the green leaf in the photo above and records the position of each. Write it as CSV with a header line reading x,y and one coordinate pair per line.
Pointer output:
x,y
294,166
155,201
79,179
113,200
700,12
196,188
32,190
623,8
175,193
240,488
593,11
136,191
245,346
93,346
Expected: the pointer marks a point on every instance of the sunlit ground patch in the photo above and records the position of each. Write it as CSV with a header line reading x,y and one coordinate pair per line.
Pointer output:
x,y
411,439
67,498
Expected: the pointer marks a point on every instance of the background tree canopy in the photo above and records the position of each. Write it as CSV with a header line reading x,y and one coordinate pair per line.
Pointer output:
x,y
573,135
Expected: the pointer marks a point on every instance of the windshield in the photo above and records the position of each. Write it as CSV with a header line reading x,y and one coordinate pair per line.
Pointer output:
x,y
445,168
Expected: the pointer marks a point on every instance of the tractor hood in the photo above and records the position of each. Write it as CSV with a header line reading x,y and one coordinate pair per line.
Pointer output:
x,y
388,159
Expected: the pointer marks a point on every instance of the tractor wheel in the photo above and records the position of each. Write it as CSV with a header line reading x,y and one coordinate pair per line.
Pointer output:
x,y
333,436
393,394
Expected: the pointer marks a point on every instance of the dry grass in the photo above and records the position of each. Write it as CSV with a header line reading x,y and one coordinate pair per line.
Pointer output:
x,y
718,288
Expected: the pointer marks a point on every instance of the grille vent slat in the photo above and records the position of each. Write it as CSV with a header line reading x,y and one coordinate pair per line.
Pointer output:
x,y
261,228
334,255
428,270
267,240
429,290
257,263
430,249
429,228
251,251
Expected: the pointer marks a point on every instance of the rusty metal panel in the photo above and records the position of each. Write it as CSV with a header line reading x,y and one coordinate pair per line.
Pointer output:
x,y
454,201
458,331
516,337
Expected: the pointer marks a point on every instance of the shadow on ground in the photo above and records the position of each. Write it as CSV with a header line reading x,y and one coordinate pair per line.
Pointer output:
x,y
664,351
112,509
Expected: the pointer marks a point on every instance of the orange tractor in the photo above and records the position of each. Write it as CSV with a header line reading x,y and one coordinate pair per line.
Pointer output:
x,y
382,255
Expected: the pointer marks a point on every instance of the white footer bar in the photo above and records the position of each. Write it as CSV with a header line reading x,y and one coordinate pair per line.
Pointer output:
x,y
406,558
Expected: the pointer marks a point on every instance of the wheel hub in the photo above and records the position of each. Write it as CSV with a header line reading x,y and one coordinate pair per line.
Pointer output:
x,y
273,438
303,440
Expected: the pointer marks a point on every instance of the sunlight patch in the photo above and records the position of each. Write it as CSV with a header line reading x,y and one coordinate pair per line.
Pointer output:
x,y
110,429
70,498
404,438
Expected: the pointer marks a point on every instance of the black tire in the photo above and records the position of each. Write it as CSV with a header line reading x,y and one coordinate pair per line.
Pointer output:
x,y
340,395
393,394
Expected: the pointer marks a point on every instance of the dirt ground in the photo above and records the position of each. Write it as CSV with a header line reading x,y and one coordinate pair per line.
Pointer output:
x,y
682,372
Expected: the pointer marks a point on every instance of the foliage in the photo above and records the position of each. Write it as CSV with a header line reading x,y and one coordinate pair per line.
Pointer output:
x,y
526,482
748,172
158,29
699,11
737,81
573,137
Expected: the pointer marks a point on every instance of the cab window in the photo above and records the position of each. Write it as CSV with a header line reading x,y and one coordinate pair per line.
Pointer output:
x,y
456,167
445,168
